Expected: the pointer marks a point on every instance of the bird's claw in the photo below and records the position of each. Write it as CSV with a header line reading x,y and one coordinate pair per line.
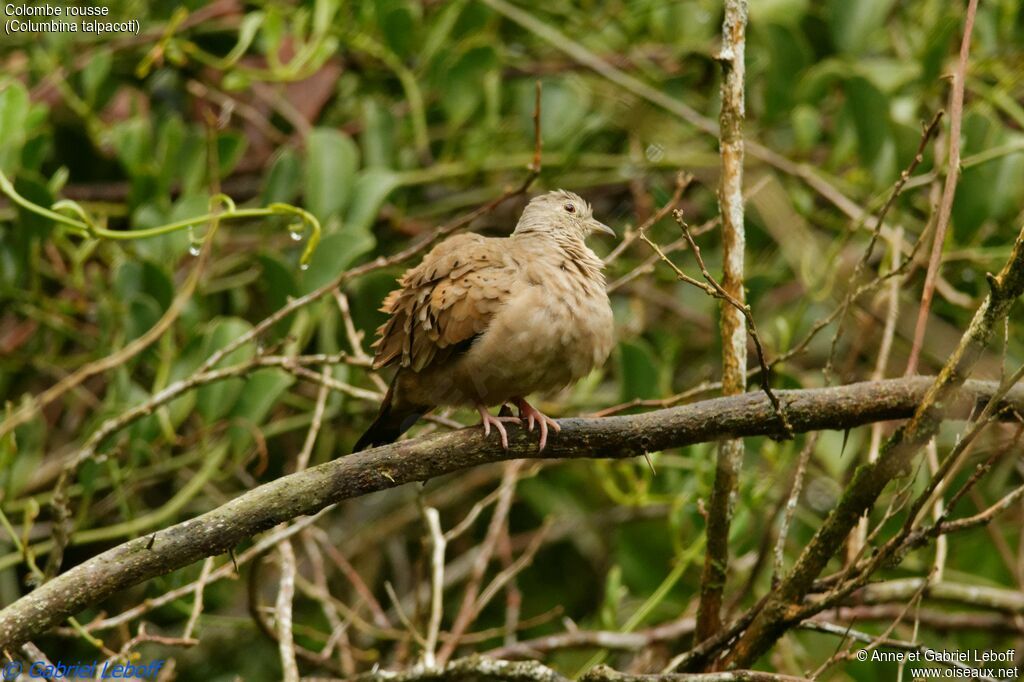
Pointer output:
x,y
487,420
532,415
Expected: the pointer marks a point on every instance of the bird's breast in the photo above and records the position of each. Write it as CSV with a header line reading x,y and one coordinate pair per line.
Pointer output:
x,y
554,329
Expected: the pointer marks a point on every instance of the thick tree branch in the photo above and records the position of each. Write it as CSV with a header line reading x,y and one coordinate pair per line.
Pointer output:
x,y
307,492
477,668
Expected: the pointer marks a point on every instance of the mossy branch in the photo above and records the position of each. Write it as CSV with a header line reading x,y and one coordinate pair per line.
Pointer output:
x,y
306,492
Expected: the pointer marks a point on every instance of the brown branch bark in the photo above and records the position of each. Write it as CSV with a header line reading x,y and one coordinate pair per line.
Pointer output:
x,y
603,673
309,491
734,338
479,668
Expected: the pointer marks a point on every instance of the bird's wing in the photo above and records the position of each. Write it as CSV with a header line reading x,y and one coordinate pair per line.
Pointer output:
x,y
445,302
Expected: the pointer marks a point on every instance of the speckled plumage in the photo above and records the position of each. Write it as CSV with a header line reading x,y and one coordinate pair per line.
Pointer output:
x,y
485,321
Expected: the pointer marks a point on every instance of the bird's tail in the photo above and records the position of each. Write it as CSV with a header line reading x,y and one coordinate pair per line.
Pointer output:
x,y
392,421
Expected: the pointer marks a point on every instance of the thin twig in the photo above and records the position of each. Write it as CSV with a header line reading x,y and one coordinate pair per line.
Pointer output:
x,y
713,288
956,108
683,181
283,613
197,605
468,609
438,543
791,504
857,539
928,131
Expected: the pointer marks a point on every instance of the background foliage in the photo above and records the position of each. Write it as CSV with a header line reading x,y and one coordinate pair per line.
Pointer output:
x,y
387,118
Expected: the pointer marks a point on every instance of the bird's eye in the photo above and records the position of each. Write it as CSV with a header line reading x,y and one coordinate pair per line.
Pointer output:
x,y
570,208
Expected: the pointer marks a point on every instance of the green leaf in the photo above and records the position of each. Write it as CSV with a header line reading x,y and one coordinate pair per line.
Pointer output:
x,y
157,283
788,56
440,30
614,593
888,75
563,107
398,21
687,24
331,162
215,400
790,12
236,81
638,371
37,191
989,190
869,109
856,24
262,389
806,123
190,164
282,184
94,74
133,144
170,138
143,313
371,189
168,248
323,14
336,253
246,32
277,281
464,83
14,108
230,147
378,135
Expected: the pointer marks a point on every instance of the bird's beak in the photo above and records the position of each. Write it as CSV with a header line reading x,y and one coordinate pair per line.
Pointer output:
x,y
598,226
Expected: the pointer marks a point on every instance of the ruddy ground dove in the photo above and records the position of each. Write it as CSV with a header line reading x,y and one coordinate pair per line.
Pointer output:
x,y
488,321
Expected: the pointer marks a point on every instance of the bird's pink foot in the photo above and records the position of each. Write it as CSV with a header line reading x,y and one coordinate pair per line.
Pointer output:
x,y
487,420
531,414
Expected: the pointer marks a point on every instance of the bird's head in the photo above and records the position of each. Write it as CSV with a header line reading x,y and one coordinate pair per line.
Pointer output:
x,y
560,213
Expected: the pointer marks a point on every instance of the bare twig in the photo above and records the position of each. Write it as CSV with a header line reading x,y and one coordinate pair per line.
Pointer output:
x,y
468,609
848,632
283,612
713,288
956,108
562,42
302,460
197,605
927,133
881,365
791,504
438,543
380,618
683,181
339,629
622,641
896,459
